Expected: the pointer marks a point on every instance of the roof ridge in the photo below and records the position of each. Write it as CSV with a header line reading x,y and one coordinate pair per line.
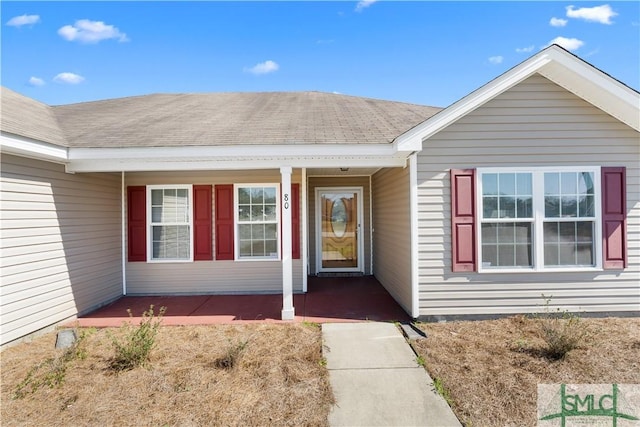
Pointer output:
x,y
179,94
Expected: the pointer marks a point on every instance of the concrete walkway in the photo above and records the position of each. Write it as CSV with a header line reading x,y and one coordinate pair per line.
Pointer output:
x,y
376,379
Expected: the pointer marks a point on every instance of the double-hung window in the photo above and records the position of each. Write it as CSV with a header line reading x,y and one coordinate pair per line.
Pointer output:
x,y
257,216
170,223
569,219
507,220
539,219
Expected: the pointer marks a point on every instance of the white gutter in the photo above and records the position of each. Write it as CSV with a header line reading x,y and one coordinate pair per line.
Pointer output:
x,y
21,146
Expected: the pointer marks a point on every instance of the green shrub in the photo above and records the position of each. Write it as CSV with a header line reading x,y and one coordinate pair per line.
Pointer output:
x,y
134,348
561,331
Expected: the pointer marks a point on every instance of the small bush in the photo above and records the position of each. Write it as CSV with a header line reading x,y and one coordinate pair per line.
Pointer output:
x,y
561,331
51,372
231,355
135,347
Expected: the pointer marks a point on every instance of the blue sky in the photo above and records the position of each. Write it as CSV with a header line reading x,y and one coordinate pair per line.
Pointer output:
x,y
430,53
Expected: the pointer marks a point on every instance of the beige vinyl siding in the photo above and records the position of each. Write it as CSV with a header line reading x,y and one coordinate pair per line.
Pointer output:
x,y
346,181
536,123
224,277
392,233
60,243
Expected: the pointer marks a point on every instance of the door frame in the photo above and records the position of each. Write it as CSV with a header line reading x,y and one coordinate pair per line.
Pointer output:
x,y
359,190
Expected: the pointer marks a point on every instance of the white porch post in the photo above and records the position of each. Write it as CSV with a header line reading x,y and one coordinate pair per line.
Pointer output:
x,y
304,250
288,311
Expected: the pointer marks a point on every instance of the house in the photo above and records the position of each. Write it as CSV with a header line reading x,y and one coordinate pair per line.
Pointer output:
x,y
528,186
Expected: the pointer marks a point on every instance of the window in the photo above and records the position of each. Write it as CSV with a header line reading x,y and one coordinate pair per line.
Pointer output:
x,y
256,216
569,219
507,212
170,223
538,219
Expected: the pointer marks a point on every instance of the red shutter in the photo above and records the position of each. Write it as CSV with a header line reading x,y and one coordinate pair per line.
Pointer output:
x,y
463,228
295,221
202,235
137,223
614,218
224,222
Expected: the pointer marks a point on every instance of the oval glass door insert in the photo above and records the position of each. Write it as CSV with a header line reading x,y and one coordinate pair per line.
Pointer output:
x,y
339,217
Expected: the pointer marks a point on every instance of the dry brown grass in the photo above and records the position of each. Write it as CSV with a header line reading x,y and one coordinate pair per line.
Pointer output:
x,y
278,378
491,368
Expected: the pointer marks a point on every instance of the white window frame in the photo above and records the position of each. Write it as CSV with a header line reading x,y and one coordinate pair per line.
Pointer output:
x,y
537,235
237,223
150,224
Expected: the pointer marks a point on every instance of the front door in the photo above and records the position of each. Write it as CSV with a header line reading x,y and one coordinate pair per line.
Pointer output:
x,y
339,219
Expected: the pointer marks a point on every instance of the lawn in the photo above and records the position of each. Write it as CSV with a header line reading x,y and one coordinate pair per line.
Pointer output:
x,y
490,369
270,374
276,377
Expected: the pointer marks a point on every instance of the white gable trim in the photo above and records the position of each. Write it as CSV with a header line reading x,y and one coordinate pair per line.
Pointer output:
x,y
557,65
594,86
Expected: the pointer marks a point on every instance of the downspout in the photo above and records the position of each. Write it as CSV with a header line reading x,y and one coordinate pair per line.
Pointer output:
x,y
415,251
123,234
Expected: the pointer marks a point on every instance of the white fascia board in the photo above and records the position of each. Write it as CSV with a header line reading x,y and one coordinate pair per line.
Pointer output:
x,y
412,139
235,151
137,165
26,147
232,157
594,86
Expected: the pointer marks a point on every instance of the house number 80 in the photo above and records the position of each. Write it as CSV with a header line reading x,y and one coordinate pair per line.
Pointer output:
x,y
286,201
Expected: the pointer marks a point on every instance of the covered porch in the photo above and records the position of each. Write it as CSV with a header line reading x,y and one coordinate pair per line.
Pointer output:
x,y
328,299
225,220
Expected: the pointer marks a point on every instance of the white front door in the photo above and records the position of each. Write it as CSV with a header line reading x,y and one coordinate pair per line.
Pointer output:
x,y
339,229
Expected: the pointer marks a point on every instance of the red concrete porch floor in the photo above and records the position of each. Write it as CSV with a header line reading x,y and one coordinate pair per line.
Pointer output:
x,y
338,299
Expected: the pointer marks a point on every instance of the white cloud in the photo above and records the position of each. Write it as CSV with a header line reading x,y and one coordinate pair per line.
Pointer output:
x,y
68,78
36,81
496,59
19,21
363,4
557,22
263,68
601,14
569,44
86,31
525,49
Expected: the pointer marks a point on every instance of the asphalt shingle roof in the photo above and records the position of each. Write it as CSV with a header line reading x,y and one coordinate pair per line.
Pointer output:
x,y
27,117
163,120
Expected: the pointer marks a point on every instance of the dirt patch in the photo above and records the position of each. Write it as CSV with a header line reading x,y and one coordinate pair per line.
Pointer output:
x,y
276,377
491,369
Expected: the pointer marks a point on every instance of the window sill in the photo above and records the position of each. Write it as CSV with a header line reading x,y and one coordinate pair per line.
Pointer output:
x,y
256,259
168,261
545,270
